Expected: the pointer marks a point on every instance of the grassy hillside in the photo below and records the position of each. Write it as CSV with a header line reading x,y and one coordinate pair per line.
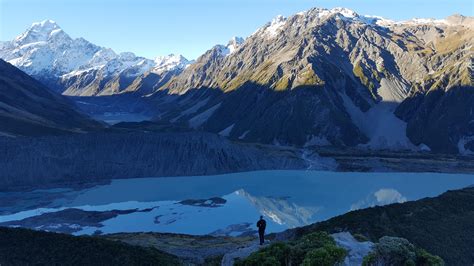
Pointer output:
x,y
442,225
27,247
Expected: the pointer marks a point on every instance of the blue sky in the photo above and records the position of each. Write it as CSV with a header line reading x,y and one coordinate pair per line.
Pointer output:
x,y
190,27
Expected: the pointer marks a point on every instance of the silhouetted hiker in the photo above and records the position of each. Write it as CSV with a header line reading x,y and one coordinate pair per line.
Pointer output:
x,y
261,224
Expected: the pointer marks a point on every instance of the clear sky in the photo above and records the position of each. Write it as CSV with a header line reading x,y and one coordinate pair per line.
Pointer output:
x,y
190,27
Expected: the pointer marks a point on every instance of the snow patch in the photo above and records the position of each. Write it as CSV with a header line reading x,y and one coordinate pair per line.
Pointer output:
x,y
348,14
345,12
273,28
235,44
421,21
170,62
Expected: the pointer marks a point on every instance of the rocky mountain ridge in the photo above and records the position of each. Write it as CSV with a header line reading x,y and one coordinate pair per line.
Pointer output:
x,y
333,77
324,77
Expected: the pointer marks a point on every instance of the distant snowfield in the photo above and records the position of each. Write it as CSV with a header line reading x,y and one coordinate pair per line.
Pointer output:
x,y
226,204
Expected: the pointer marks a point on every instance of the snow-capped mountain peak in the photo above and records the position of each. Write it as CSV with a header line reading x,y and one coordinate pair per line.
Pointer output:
x,y
45,26
170,62
324,12
234,43
76,66
39,32
103,56
273,28
348,13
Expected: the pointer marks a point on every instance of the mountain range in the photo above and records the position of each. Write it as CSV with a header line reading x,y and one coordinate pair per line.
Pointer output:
x,y
324,77
77,67
333,77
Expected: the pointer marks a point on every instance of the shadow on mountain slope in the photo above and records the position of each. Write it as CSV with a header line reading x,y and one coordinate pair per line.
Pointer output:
x,y
443,120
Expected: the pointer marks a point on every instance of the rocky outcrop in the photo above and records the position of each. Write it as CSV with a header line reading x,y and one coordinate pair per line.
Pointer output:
x,y
241,253
356,250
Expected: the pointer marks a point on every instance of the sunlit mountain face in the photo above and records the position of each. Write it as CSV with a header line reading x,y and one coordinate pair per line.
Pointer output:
x,y
336,77
76,67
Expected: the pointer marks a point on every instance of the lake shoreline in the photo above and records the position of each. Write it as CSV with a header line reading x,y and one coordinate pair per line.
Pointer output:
x,y
288,198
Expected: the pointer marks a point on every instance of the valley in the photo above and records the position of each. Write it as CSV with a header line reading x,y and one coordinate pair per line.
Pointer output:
x,y
349,130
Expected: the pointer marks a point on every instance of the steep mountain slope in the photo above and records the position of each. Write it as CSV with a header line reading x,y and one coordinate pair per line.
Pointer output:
x,y
441,119
320,77
28,108
76,66
82,158
334,77
166,67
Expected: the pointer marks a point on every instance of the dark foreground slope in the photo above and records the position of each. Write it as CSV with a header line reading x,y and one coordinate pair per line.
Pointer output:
x,y
442,225
27,247
28,108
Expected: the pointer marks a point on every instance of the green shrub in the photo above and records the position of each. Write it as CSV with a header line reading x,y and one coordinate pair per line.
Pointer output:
x,y
308,243
213,261
399,251
327,255
258,259
423,258
369,259
395,250
275,254
317,248
315,240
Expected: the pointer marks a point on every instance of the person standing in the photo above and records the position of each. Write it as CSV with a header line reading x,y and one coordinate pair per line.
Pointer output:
x,y
261,224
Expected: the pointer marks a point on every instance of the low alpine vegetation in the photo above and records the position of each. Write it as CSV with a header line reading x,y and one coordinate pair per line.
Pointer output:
x,y
399,251
317,248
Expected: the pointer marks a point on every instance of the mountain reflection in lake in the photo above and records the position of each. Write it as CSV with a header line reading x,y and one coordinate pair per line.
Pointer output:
x,y
226,204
